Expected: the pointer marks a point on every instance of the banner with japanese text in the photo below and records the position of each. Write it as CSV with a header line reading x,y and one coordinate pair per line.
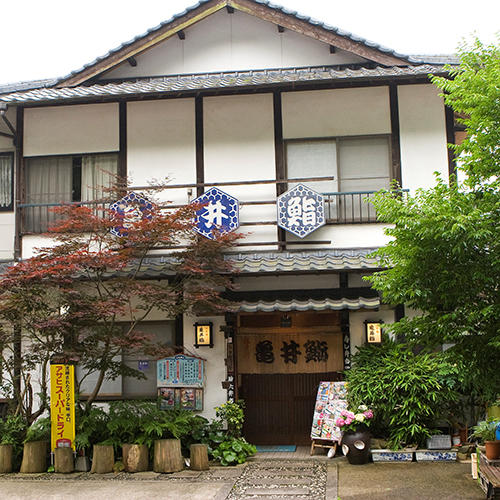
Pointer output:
x,y
62,406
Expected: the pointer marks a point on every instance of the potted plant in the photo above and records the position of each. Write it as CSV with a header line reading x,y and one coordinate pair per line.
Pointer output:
x,y
36,447
12,430
355,435
485,431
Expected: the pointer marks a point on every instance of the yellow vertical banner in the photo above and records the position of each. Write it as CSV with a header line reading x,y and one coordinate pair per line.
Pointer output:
x,y
62,406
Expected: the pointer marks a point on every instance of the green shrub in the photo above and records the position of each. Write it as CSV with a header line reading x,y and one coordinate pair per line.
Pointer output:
x,y
91,428
485,430
234,451
232,414
38,431
407,391
13,431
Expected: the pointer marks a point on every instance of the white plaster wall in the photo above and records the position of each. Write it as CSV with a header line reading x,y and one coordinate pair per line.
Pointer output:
x,y
302,282
161,143
357,326
337,112
346,236
239,146
224,42
214,395
422,134
87,128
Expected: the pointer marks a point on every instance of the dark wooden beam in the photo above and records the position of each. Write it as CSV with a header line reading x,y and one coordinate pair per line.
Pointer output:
x,y
281,29
164,32
19,176
199,141
395,134
181,35
275,16
450,139
122,154
346,337
132,61
230,10
333,49
399,312
279,159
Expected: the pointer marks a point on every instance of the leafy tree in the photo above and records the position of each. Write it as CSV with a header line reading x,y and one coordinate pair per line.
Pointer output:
x,y
444,259
83,299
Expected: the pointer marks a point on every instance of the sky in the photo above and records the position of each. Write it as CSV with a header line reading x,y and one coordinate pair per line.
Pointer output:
x,y
46,39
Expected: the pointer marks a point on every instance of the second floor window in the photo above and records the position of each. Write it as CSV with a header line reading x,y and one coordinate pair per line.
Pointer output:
x,y
358,165
64,179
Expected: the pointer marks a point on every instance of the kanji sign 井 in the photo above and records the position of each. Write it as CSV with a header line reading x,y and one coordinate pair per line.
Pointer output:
x,y
220,212
301,211
62,406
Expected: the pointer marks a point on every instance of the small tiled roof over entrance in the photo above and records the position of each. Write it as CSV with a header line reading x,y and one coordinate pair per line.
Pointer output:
x,y
309,305
311,261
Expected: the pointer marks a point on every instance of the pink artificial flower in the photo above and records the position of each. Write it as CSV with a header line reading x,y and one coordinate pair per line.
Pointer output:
x,y
368,414
344,413
340,422
348,420
350,414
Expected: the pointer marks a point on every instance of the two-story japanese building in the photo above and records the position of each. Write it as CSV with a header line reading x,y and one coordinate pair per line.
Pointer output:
x,y
254,100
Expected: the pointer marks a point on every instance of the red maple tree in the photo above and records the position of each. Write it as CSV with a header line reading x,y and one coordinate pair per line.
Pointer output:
x,y
82,300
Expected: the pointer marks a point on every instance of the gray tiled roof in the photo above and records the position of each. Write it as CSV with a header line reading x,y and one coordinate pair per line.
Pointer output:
x,y
230,80
304,261
33,84
314,22
308,305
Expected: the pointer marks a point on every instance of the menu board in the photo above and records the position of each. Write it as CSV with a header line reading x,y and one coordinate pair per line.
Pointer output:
x,y
180,370
330,401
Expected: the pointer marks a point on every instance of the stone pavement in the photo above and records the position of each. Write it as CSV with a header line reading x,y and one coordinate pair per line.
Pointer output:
x,y
314,478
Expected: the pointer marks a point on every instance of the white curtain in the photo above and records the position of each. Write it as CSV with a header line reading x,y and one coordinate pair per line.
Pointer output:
x,y
5,181
98,173
48,180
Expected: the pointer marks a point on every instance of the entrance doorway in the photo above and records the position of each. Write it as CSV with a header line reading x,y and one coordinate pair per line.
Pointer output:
x,y
281,358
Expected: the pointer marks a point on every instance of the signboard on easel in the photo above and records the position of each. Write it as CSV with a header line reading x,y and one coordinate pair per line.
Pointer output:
x,y
330,401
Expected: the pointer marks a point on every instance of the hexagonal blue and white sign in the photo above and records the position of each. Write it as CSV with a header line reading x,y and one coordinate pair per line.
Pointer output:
x,y
132,207
301,210
221,212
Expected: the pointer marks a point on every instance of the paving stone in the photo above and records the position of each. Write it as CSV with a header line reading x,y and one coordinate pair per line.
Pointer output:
x,y
145,475
278,481
185,474
280,497
281,472
277,491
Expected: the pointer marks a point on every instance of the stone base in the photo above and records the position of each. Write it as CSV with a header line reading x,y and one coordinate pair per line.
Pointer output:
x,y
436,455
392,456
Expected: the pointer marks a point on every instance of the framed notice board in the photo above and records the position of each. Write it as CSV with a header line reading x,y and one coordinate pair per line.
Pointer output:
x,y
330,401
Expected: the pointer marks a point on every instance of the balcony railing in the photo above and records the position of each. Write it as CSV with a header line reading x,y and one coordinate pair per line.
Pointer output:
x,y
352,207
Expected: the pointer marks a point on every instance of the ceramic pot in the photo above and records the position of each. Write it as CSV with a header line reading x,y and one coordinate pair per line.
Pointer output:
x,y
356,446
492,450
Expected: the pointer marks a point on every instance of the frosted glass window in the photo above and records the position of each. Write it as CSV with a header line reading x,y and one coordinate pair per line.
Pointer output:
x,y
313,159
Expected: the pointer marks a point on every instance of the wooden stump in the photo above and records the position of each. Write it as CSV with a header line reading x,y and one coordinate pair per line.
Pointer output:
x,y
135,457
199,456
63,460
5,458
34,457
168,456
103,459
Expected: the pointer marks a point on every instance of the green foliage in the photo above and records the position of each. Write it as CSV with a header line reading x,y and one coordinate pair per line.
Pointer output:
x,y
38,431
407,391
232,414
234,451
210,434
91,428
12,430
485,430
444,256
473,92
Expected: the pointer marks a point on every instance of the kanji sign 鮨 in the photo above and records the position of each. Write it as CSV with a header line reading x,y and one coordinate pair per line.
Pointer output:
x,y
301,210
62,406
220,212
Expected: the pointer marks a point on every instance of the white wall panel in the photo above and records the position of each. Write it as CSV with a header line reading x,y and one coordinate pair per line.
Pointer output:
x,y
423,135
239,146
161,143
338,112
89,128
231,42
7,232
357,326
